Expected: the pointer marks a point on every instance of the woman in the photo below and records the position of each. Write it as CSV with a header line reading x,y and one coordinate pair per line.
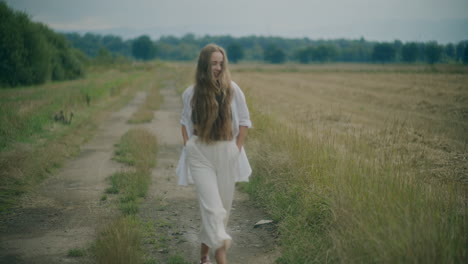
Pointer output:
x,y
214,122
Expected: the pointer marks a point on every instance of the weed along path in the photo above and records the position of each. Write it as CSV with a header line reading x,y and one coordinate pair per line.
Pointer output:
x,y
173,213
62,214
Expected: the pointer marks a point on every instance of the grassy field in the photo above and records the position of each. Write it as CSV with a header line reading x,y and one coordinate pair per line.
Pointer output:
x,y
120,241
361,163
355,163
35,138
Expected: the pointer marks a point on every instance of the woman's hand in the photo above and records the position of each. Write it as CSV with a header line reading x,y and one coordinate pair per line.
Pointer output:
x,y
239,146
184,134
241,137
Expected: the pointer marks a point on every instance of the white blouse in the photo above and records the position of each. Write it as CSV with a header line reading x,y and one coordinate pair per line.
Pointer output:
x,y
240,117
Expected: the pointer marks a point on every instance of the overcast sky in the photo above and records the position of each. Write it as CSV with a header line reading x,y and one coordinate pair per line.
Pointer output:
x,y
381,20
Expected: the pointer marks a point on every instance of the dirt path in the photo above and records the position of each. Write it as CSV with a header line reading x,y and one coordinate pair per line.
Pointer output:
x,y
174,209
65,211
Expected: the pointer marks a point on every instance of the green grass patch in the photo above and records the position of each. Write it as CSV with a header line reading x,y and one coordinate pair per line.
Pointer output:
x,y
145,112
29,112
358,205
128,208
176,259
76,252
152,261
112,190
119,242
137,148
33,145
131,184
141,116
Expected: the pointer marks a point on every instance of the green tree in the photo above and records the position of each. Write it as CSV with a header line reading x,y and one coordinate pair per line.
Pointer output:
x,y
465,55
91,44
185,52
235,52
143,48
31,53
449,51
410,52
65,65
114,45
23,50
273,54
398,45
324,53
104,56
255,52
433,52
459,50
304,55
383,52
188,38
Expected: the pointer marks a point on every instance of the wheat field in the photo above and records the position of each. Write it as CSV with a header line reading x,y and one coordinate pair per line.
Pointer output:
x,y
431,108
361,163
354,163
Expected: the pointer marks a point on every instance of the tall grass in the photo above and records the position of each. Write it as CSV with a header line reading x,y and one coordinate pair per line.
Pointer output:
x,y
33,144
137,148
119,242
145,112
357,204
27,112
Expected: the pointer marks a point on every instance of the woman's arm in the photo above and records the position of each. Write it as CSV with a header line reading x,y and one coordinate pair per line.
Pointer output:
x,y
184,134
241,137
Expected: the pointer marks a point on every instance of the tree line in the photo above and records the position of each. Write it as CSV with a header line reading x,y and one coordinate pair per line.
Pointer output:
x,y
275,49
31,53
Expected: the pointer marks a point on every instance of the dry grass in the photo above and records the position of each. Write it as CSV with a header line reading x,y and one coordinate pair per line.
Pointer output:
x,y
33,144
175,74
138,148
121,240
358,167
181,74
431,107
119,243
145,112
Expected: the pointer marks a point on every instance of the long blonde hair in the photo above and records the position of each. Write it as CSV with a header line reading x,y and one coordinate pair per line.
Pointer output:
x,y
211,101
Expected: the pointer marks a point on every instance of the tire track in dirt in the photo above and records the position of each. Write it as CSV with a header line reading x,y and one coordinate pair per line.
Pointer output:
x,y
65,210
174,209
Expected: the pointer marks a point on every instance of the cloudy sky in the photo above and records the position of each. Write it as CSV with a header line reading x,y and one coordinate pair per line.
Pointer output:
x,y
381,20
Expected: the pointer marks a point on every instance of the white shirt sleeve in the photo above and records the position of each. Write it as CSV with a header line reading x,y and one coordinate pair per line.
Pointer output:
x,y
242,109
187,111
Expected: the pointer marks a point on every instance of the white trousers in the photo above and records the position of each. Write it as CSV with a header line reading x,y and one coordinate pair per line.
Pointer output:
x,y
213,167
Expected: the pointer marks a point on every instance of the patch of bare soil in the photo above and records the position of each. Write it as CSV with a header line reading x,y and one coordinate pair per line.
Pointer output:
x,y
174,212
65,211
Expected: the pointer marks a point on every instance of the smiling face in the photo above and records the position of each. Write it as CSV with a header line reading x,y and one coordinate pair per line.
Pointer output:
x,y
217,60
212,67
